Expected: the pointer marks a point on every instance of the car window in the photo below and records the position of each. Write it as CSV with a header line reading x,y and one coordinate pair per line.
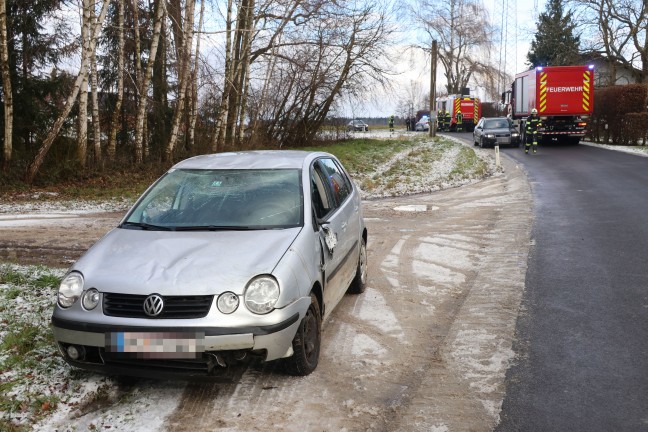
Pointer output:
x,y
496,124
183,199
321,195
338,183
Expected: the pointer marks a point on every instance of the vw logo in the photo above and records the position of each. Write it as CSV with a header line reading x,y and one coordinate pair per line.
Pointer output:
x,y
153,305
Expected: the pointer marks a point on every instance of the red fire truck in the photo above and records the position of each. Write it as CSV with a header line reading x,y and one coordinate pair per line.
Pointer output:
x,y
563,96
470,109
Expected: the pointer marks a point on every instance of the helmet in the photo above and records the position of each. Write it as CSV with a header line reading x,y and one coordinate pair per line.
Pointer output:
x,y
534,111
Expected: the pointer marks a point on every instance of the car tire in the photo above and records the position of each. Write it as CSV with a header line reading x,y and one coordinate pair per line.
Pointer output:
x,y
306,343
359,282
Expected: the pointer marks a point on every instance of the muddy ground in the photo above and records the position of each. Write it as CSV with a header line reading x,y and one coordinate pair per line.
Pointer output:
x,y
425,348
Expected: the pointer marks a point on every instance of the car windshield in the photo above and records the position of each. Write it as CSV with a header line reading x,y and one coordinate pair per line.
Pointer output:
x,y
496,124
221,200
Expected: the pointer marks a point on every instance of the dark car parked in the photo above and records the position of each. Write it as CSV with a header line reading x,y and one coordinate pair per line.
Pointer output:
x,y
492,131
357,126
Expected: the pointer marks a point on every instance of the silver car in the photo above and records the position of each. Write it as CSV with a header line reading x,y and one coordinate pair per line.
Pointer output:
x,y
226,258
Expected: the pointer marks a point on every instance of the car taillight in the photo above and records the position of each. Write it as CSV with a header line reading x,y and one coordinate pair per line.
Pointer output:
x,y
583,124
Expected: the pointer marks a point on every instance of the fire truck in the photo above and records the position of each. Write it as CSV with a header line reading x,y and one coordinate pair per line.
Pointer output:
x,y
563,96
470,109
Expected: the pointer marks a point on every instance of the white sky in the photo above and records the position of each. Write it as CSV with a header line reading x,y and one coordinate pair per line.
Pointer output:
x,y
414,68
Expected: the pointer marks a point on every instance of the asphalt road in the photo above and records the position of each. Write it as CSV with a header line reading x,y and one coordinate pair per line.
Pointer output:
x,y
581,339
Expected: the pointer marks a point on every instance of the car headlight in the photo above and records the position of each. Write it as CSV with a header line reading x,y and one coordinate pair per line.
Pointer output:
x,y
70,289
90,299
227,302
261,294
515,134
490,136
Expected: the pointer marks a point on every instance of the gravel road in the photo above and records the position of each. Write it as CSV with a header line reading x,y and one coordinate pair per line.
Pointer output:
x,y
425,348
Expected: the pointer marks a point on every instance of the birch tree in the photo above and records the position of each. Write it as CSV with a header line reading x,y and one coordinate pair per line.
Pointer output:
x,y
34,166
6,88
82,118
112,140
183,76
193,113
143,88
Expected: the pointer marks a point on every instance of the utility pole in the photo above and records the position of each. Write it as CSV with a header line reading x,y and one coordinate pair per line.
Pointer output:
x,y
433,70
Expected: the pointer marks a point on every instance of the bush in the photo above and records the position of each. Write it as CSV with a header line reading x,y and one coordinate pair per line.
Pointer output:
x,y
619,114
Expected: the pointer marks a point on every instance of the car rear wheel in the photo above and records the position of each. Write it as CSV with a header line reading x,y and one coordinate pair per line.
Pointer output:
x,y
306,343
359,283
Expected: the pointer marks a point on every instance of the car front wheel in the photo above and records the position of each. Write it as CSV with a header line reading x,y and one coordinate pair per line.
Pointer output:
x,y
306,343
359,283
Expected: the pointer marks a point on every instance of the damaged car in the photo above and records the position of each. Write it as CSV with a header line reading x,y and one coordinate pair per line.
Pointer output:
x,y
226,258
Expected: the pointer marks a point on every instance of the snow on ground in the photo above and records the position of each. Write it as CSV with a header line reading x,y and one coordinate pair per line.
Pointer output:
x,y
636,150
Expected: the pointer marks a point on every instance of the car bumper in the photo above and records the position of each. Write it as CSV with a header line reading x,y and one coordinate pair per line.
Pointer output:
x,y
216,349
501,141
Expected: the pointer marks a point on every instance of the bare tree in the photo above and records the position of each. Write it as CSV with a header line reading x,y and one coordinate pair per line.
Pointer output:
x,y
193,111
184,77
343,52
82,119
112,141
143,88
33,168
464,37
618,32
6,88
96,125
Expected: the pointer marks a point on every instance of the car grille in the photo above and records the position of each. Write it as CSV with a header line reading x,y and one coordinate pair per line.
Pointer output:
x,y
131,306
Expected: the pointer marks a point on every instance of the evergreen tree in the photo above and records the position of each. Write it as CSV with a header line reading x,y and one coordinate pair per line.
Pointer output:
x,y
555,43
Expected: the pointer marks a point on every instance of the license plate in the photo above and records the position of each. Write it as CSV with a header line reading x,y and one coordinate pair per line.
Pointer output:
x,y
156,345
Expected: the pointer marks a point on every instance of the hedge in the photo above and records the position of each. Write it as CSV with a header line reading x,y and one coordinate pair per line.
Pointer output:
x,y
620,115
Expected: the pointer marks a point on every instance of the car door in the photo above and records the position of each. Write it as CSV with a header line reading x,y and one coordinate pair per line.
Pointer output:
x,y
339,228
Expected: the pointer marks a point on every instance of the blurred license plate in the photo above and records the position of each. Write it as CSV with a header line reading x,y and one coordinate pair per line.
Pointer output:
x,y
503,140
156,345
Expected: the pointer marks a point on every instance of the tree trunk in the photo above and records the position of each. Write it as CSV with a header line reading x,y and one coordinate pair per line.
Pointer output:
x,y
219,133
234,97
56,127
6,88
96,126
245,72
112,141
183,74
82,119
141,110
193,114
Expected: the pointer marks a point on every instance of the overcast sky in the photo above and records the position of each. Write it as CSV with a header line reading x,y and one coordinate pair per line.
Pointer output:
x,y
413,67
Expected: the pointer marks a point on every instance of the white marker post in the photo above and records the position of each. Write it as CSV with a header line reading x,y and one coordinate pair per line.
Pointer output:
x,y
497,157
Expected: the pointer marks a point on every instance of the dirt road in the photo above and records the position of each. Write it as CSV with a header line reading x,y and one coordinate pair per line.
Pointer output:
x,y
425,348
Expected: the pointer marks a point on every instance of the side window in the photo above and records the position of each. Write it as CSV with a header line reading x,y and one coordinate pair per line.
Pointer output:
x,y
337,180
321,196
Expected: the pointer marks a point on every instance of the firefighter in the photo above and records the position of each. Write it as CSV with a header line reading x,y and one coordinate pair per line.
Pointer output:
x,y
391,123
533,126
448,120
441,120
459,119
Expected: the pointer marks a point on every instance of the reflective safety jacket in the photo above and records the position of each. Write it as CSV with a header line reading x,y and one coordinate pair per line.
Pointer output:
x,y
459,117
533,124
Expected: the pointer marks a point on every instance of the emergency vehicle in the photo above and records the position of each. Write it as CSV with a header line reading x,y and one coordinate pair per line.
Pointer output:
x,y
470,109
563,96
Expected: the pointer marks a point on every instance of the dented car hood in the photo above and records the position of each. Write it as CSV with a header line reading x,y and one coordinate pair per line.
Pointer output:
x,y
182,263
